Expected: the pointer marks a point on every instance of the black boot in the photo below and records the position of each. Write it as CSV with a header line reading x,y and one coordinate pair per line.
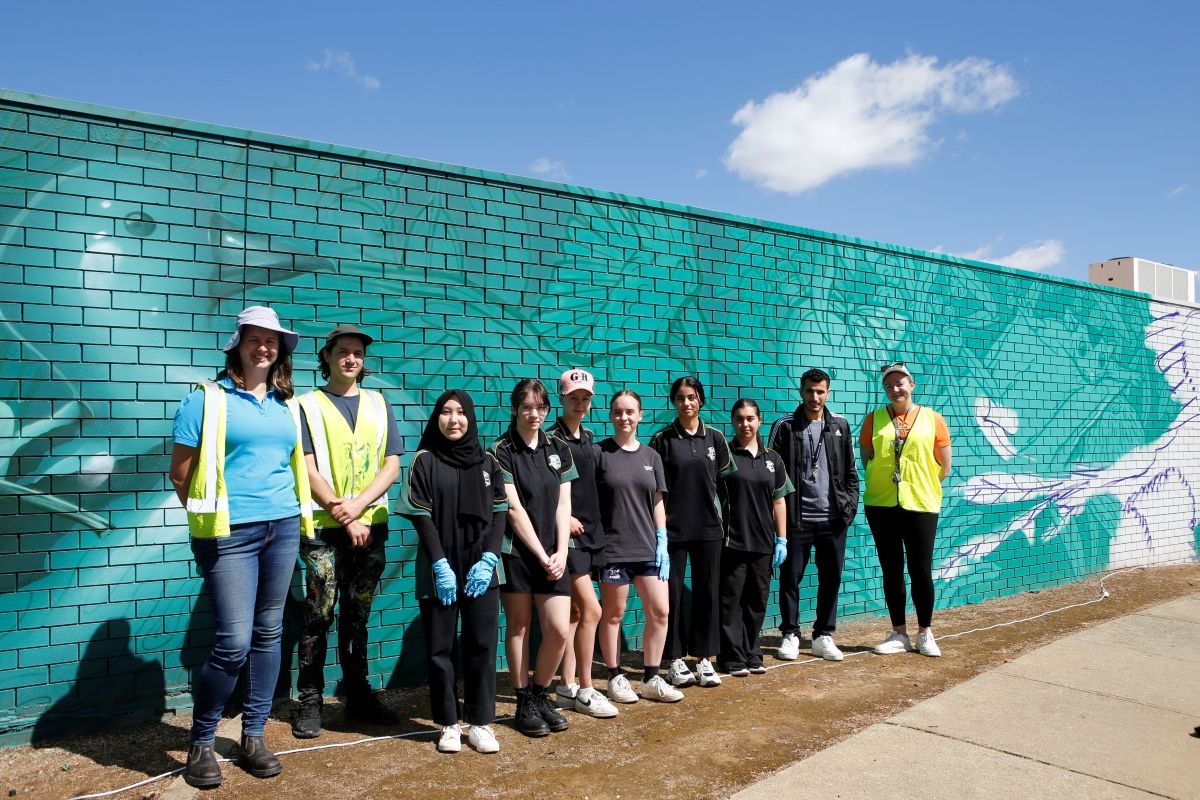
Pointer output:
x,y
307,724
367,708
547,709
528,721
202,770
257,759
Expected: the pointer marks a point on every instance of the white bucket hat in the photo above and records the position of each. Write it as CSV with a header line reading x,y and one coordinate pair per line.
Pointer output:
x,y
262,317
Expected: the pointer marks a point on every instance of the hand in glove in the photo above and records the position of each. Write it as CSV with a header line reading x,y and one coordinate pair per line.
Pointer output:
x,y
479,577
447,584
780,554
661,559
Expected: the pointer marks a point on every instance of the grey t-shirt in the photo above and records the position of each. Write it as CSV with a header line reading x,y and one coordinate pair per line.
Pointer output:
x,y
627,481
813,490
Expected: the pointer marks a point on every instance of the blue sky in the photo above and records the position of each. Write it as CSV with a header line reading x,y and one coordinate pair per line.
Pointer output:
x,y
1045,135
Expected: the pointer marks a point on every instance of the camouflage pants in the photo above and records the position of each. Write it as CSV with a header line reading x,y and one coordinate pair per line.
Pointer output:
x,y
347,576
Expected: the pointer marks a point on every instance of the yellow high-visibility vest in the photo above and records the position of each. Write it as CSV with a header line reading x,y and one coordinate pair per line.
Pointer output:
x,y
347,459
208,498
920,487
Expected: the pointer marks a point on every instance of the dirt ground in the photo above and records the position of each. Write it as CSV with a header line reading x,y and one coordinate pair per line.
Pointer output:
x,y
710,745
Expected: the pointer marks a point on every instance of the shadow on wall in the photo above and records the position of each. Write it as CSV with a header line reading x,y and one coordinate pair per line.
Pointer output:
x,y
113,687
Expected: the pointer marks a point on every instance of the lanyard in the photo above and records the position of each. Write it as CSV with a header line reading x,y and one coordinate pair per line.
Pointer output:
x,y
815,448
901,440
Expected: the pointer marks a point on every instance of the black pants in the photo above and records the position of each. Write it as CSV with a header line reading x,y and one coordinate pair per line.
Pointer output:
x,y
480,618
745,582
703,636
348,576
830,547
901,534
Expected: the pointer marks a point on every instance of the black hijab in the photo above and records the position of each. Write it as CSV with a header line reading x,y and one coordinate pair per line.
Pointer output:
x,y
464,455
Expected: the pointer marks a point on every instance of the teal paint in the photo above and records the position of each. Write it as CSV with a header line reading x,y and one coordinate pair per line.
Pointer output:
x,y
128,242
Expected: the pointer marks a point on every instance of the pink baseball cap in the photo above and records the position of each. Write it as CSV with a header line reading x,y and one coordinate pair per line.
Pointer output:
x,y
574,379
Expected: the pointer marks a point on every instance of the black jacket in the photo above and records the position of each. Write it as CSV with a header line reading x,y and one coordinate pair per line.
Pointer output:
x,y
839,451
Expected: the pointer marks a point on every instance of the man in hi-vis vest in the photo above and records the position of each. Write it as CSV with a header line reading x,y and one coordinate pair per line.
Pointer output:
x,y
352,448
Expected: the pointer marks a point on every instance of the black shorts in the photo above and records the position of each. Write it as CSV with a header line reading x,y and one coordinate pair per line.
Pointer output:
x,y
585,562
622,573
524,575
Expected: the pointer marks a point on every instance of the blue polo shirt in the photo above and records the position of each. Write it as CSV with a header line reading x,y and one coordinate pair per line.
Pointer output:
x,y
259,438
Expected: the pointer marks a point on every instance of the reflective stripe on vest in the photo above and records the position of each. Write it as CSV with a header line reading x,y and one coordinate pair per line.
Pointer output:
x,y
208,498
920,488
348,460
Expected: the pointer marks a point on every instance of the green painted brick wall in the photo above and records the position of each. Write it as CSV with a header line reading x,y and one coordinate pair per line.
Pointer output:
x,y
128,242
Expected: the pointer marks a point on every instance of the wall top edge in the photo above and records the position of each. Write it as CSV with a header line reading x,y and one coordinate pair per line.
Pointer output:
x,y
29,101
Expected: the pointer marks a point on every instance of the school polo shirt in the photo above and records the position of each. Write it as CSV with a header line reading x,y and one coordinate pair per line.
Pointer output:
x,y
693,462
748,496
627,481
259,439
585,498
537,473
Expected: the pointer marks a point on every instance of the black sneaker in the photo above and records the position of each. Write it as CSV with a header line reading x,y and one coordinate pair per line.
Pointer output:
x,y
203,770
547,709
527,719
367,708
256,759
307,724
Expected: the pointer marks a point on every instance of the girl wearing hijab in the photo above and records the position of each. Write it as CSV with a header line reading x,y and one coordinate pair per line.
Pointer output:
x,y
454,497
538,471
238,468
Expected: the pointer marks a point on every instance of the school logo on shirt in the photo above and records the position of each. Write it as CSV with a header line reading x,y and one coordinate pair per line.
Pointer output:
x,y
555,461
771,467
648,468
487,479
712,454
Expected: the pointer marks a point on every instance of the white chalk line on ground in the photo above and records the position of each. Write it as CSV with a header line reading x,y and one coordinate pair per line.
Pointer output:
x,y
1104,594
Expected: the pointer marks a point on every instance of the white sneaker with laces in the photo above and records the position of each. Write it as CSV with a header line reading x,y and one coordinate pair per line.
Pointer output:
x,y
895,643
789,648
593,704
708,675
451,739
824,647
680,674
619,690
660,691
565,694
483,739
926,646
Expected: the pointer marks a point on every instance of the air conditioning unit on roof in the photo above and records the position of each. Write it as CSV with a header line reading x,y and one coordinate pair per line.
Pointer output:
x,y
1162,281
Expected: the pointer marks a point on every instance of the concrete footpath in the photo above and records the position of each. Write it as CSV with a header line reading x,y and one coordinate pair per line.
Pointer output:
x,y
1105,713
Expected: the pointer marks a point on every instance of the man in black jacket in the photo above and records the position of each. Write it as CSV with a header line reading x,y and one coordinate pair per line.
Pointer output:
x,y
818,451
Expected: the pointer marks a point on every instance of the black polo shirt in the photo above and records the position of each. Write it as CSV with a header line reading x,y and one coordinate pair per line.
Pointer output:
x,y
693,462
537,473
431,490
585,498
747,497
628,481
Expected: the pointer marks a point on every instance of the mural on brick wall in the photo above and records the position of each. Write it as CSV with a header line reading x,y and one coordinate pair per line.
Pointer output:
x,y
126,249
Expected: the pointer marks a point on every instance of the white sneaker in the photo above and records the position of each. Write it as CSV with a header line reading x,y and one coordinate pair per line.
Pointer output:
x,y
619,690
564,695
680,674
895,643
708,675
789,648
660,691
594,704
483,739
926,645
823,647
451,740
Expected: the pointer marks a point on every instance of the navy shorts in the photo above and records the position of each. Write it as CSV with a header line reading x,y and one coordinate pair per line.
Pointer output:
x,y
585,562
523,575
623,573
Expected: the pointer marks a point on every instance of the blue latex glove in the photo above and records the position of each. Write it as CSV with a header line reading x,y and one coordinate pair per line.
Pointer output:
x,y
661,559
479,577
447,584
780,552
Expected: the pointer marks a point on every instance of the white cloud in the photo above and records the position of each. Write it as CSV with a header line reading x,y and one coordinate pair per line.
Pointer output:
x,y
1036,256
1178,190
550,170
339,62
700,173
858,115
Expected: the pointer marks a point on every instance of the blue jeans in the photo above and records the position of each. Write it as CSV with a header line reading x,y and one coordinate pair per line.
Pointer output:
x,y
246,575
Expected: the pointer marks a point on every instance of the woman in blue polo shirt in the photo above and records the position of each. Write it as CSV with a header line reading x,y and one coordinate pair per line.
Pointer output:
x,y
234,467
537,474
